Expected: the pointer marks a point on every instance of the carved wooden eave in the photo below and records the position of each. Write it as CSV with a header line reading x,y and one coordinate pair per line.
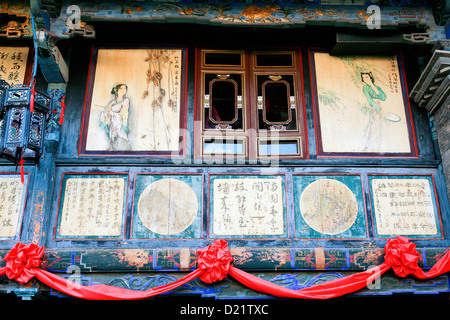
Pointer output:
x,y
432,90
255,14
51,15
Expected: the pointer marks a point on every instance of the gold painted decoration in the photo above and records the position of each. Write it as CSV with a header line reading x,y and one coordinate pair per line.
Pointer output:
x,y
16,18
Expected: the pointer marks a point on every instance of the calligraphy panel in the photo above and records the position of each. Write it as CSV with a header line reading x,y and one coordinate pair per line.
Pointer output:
x,y
12,202
167,206
92,206
243,206
13,64
329,206
134,103
360,105
404,205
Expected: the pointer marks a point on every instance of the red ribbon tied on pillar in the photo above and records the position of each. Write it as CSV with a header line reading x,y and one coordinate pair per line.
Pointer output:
x,y
216,260
21,261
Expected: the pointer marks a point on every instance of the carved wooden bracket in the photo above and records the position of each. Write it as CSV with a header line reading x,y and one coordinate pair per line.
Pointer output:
x,y
432,90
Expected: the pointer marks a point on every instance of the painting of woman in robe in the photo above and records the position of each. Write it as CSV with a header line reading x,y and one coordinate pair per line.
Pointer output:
x,y
114,119
360,105
133,102
374,95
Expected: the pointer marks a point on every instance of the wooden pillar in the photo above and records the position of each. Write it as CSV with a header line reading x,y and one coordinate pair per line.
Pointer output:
x,y
442,124
42,193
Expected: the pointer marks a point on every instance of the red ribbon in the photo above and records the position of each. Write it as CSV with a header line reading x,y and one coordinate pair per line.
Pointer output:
x,y
214,264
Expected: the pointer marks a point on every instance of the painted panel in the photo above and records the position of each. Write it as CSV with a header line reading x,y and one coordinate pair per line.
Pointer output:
x,y
92,206
404,205
244,206
13,64
360,105
329,206
135,101
167,206
12,203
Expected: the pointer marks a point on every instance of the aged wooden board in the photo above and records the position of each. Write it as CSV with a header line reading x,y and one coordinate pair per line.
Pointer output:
x,y
91,206
167,206
13,64
12,203
329,206
405,205
247,206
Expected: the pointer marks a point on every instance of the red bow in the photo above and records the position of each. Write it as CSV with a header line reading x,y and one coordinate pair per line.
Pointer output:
x,y
216,259
21,261
402,256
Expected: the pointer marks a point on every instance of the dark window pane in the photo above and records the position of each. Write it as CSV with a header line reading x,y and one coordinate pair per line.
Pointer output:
x,y
276,102
219,58
223,95
274,60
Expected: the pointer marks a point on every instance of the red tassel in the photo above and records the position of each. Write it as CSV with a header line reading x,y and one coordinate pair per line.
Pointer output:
x,y
22,171
63,107
32,100
32,97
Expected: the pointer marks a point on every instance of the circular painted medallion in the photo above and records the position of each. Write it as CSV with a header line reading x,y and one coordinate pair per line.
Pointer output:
x,y
328,206
167,206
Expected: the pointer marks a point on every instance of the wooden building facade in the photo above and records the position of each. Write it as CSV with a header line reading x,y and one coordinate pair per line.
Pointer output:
x,y
304,133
